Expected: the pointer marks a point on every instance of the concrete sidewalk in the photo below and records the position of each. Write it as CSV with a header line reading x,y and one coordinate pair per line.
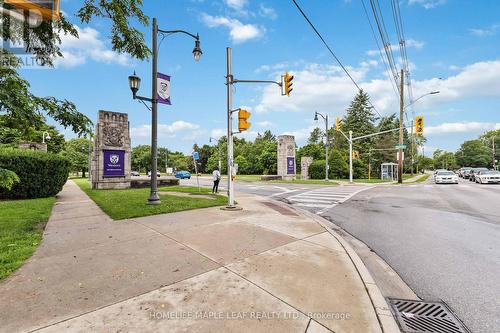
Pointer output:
x,y
267,268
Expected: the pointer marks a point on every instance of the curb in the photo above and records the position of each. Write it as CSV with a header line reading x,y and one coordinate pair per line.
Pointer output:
x,y
384,315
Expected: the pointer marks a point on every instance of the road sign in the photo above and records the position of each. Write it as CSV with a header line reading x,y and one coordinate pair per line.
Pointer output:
x,y
196,156
400,146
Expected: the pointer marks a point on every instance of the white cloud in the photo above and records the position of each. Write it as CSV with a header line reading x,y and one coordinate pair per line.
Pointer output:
x,y
264,123
463,127
490,31
268,12
238,31
320,87
76,51
165,130
301,133
236,4
218,132
428,4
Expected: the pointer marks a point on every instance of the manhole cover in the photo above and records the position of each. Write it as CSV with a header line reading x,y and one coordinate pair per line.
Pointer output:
x,y
425,317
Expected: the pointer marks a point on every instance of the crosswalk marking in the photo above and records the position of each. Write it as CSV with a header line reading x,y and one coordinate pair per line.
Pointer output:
x,y
322,199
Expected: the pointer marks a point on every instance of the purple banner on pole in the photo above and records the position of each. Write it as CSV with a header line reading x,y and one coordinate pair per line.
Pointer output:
x,y
114,163
290,165
163,93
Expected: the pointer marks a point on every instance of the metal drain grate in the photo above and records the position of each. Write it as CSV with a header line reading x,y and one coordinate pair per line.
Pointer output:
x,y
425,317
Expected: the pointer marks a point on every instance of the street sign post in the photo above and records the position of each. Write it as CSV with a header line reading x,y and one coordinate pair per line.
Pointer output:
x,y
196,157
400,146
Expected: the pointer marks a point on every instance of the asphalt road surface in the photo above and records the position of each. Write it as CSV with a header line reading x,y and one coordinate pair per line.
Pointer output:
x,y
443,240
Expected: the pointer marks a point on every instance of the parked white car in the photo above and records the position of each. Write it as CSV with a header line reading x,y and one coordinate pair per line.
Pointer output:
x,y
488,177
446,177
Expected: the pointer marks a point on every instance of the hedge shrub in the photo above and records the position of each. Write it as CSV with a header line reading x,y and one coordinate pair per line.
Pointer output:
x,y
317,169
41,174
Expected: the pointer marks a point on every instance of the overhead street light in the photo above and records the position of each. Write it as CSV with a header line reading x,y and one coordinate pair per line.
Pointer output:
x,y
135,83
45,136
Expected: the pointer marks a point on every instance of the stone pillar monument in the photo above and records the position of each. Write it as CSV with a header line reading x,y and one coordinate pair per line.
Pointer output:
x,y
111,157
305,162
286,157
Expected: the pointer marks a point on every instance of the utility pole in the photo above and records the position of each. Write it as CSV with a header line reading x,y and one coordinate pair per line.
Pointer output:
x,y
327,143
229,84
350,157
412,142
401,110
494,155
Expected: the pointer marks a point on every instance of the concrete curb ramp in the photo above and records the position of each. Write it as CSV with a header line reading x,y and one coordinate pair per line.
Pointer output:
x,y
256,270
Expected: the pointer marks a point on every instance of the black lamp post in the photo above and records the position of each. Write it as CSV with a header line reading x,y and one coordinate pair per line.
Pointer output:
x,y
135,82
325,118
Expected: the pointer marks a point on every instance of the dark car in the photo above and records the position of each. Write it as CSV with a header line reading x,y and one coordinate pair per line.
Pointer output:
x,y
465,172
182,175
473,171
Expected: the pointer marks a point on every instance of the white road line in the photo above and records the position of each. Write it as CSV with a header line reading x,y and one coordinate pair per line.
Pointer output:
x,y
311,200
314,205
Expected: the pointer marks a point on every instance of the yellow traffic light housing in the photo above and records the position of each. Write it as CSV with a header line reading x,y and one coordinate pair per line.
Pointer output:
x,y
338,123
419,125
355,154
243,123
288,84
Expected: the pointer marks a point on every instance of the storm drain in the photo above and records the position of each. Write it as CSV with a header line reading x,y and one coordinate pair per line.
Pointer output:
x,y
425,317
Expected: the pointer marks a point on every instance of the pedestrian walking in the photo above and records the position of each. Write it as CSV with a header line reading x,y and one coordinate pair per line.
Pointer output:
x,y
216,177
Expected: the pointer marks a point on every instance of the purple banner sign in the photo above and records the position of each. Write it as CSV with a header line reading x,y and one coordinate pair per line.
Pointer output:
x,y
290,165
163,89
114,163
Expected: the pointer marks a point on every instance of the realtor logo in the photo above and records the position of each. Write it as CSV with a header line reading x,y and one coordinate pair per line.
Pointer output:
x,y
114,159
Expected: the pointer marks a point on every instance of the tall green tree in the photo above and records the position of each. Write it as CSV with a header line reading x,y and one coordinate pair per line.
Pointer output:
x,y
77,152
474,153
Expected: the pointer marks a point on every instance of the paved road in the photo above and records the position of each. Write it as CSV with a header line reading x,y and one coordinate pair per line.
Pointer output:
x,y
443,240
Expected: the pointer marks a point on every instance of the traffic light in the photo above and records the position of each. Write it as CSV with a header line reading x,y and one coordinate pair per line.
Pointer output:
x,y
419,125
288,84
355,154
243,123
338,123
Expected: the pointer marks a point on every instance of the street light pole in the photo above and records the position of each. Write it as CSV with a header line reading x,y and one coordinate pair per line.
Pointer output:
x,y
327,142
134,82
218,152
154,199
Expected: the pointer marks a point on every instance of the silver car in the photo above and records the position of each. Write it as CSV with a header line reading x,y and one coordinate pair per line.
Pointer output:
x,y
446,177
488,177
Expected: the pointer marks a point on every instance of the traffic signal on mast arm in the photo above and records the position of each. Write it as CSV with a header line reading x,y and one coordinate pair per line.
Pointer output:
x,y
288,84
338,123
419,125
355,154
243,123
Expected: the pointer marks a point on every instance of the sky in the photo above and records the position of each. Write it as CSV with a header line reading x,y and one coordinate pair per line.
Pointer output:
x,y
452,46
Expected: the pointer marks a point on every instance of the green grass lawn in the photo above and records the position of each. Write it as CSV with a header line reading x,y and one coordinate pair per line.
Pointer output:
x,y
21,228
123,204
422,179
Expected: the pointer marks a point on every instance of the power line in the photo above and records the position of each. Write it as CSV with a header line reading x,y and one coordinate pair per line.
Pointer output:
x,y
331,52
394,86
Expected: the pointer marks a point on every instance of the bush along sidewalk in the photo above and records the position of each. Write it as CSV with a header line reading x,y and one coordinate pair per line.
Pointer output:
x,y
40,174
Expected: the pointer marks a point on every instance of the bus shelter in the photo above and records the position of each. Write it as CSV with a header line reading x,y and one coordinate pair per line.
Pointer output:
x,y
389,171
